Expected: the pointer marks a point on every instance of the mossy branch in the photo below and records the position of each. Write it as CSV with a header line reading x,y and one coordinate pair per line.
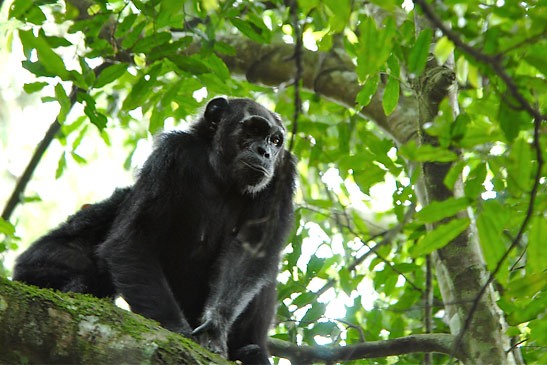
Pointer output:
x,y
42,326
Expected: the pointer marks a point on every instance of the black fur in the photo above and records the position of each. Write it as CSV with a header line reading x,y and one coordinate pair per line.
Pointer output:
x,y
195,243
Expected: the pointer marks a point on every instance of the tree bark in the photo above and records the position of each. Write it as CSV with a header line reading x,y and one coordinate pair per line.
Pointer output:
x,y
41,326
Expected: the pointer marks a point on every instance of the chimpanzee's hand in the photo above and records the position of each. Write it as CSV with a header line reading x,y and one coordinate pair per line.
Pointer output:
x,y
212,336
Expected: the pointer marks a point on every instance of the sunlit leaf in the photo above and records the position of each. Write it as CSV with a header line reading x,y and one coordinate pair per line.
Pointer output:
x,y
369,89
438,210
34,86
426,153
443,48
64,102
110,74
528,285
391,95
537,245
439,237
418,54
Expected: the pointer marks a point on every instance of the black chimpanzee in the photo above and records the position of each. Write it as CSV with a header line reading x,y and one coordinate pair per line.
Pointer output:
x,y
195,243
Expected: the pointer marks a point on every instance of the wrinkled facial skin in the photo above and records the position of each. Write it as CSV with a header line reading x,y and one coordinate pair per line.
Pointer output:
x,y
248,143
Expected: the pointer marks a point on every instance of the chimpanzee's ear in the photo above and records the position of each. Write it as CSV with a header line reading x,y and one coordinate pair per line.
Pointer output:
x,y
215,109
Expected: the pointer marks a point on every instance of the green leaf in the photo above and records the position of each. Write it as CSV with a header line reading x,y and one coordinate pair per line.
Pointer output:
x,y
453,174
369,89
537,245
343,137
79,159
439,237
157,119
37,68
19,7
316,311
490,230
511,120
391,95
61,165
368,175
418,54
443,48
394,67
217,64
124,26
133,36
374,46
314,266
475,180
530,311
519,167
341,11
251,30
536,56
140,91
304,299
64,102
426,152
145,44
6,228
95,117
224,48
51,62
98,119
34,86
438,210
54,41
306,5
193,64
527,286
168,49
110,74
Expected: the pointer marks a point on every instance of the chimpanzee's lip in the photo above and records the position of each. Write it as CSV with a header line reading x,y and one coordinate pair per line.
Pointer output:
x,y
256,167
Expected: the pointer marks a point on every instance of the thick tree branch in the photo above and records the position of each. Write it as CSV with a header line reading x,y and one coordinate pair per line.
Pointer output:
x,y
332,75
42,326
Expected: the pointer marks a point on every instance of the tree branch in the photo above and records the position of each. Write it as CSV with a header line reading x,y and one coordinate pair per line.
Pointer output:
x,y
54,128
23,180
42,326
331,75
442,343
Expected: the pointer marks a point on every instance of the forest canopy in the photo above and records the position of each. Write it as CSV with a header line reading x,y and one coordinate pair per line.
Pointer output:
x,y
419,128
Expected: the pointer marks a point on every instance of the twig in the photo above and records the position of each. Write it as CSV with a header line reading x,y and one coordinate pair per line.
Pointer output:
x,y
494,61
54,128
298,75
24,179
428,301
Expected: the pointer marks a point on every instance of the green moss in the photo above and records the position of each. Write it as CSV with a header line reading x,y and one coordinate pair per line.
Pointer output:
x,y
92,318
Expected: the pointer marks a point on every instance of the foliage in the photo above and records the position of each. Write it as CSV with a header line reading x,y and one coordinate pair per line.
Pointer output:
x,y
348,166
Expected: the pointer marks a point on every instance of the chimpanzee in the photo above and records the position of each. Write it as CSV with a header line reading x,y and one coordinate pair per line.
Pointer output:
x,y
195,242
